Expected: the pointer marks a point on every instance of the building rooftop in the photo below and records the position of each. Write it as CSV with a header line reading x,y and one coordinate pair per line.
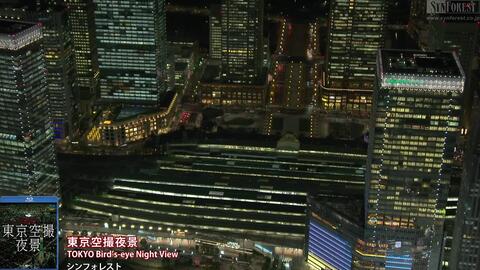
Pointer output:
x,y
182,49
180,66
8,27
129,112
15,35
420,63
211,73
118,113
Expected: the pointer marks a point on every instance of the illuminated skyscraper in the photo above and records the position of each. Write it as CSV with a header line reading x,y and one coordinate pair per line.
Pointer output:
x,y
58,52
131,41
413,132
465,253
461,38
215,33
59,62
355,35
82,29
27,157
242,39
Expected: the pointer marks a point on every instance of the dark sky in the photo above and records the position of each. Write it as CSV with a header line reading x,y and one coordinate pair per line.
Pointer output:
x,y
296,8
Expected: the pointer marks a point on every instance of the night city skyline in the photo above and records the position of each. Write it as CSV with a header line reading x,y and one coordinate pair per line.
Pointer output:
x,y
242,134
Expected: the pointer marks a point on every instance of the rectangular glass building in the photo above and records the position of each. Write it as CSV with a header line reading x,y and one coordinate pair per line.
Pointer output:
x,y
355,34
465,253
215,33
60,71
242,39
82,29
58,52
27,157
131,41
414,125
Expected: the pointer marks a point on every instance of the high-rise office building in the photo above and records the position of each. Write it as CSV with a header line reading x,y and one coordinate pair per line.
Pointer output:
x,y
355,35
82,29
215,33
27,157
466,238
132,48
460,37
241,41
58,50
414,125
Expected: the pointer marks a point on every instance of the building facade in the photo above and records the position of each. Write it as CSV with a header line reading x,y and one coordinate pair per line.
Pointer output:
x,y
461,38
241,95
215,33
213,91
131,124
82,28
27,156
330,246
355,35
241,40
466,238
59,60
335,237
132,48
413,131
58,52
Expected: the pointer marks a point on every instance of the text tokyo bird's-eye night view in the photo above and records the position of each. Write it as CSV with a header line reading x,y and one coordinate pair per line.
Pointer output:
x,y
240,134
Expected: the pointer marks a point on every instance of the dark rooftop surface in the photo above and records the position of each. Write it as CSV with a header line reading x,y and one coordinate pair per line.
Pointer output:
x,y
182,49
419,62
13,27
128,112
346,214
211,73
400,40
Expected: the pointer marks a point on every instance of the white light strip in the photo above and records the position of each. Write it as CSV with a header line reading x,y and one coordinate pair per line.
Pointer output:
x,y
210,186
19,40
216,228
190,215
431,83
115,187
266,175
269,161
108,196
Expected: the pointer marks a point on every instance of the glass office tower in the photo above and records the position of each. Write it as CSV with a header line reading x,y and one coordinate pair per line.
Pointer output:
x,y
355,35
58,52
414,125
466,240
131,41
27,157
82,29
242,35
461,38
215,33
59,62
